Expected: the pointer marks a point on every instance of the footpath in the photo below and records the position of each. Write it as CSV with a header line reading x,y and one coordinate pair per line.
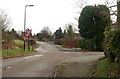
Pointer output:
x,y
79,66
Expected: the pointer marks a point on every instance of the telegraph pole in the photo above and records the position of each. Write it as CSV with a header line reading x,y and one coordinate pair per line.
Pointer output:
x,y
94,36
25,22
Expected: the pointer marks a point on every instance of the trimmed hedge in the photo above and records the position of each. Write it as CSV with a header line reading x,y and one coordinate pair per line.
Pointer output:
x,y
90,44
82,44
86,44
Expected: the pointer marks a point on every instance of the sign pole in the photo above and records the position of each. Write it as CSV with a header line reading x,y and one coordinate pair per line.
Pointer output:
x,y
28,44
32,47
28,33
7,49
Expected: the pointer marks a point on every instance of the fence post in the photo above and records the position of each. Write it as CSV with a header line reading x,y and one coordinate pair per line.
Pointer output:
x,y
21,49
32,47
7,49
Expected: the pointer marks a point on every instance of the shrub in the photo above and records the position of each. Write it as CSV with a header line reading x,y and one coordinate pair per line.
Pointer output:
x,y
86,44
112,44
32,42
90,44
82,44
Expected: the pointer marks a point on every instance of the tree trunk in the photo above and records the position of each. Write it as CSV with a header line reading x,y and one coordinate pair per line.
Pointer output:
x,y
118,12
118,24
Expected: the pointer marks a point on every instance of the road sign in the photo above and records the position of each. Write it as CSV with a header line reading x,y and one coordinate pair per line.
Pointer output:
x,y
28,31
24,38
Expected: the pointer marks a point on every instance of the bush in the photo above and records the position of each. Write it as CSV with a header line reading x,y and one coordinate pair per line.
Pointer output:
x,y
112,42
90,44
112,45
82,44
110,57
32,42
40,38
86,44
105,50
59,41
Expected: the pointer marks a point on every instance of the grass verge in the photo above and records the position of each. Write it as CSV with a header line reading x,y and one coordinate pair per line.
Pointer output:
x,y
17,51
59,69
106,69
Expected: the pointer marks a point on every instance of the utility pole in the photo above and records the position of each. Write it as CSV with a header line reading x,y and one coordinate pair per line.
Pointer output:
x,y
25,22
94,36
24,26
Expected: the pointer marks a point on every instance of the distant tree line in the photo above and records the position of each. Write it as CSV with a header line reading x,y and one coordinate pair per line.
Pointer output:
x,y
44,33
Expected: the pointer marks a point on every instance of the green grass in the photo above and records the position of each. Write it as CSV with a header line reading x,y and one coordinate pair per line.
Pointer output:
x,y
106,69
19,42
17,51
59,69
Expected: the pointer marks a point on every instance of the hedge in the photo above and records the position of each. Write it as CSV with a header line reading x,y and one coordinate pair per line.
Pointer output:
x,y
86,44
90,44
82,44
112,45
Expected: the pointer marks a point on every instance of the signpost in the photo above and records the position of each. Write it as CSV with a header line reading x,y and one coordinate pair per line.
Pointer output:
x,y
22,48
28,34
32,47
7,49
75,43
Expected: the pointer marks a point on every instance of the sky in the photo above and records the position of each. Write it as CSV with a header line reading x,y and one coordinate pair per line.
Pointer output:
x,y
51,13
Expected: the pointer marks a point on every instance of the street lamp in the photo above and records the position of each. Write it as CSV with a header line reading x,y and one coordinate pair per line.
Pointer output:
x,y
75,43
94,35
25,22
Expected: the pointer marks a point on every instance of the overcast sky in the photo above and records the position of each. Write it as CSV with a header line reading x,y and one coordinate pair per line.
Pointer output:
x,y
51,13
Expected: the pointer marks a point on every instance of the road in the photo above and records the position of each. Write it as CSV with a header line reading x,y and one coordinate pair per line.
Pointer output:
x,y
43,64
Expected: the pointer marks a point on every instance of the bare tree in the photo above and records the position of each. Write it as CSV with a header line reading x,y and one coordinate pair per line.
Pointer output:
x,y
118,13
112,7
45,32
19,32
79,4
4,27
109,2
4,20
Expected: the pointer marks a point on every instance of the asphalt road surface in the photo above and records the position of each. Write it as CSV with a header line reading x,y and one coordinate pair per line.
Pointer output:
x,y
42,64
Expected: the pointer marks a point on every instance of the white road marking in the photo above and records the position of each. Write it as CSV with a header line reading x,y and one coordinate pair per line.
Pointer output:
x,y
67,52
29,61
33,56
42,50
8,67
38,55
95,53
